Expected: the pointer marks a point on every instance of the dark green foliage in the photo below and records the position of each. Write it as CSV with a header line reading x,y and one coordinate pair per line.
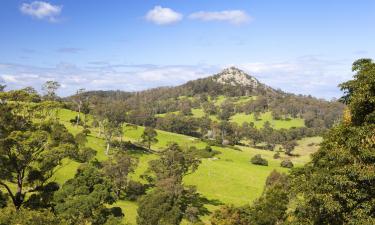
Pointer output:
x,y
207,152
170,201
85,154
135,189
30,152
43,198
149,137
287,163
229,215
84,198
271,207
289,146
276,155
360,92
9,216
3,199
258,160
117,169
178,124
23,95
338,186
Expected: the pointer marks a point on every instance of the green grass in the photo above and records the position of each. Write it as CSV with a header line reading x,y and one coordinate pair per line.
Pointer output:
x,y
229,178
240,118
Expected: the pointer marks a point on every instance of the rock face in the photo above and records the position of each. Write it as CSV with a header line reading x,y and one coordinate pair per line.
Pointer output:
x,y
236,77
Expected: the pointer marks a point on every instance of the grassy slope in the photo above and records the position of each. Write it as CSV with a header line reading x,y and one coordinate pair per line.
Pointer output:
x,y
240,118
230,178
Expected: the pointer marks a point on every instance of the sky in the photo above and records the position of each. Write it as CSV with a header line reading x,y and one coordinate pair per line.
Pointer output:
x,y
304,47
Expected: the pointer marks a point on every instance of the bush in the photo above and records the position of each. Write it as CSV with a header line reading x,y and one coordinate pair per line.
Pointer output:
x,y
286,163
276,155
134,190
206,152
258,160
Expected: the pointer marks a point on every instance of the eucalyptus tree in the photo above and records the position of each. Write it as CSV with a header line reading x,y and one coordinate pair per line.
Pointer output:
x,y
29,153
49,88
170,201
149,137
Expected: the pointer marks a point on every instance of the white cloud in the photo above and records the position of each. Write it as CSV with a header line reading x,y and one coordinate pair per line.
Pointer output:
x,y
41,10
305,75
163,16
236,17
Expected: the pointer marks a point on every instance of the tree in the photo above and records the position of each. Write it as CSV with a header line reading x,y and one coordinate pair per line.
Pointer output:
x,y
287,163
2,87
78,100
271,207
10,216
229,215
3,200
117,169
109,130
170,201
29,153
83,199
258,160
289,146
338,185
49,88
149,137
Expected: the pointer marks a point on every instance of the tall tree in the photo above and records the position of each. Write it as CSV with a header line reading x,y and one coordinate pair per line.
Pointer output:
x,y
170,201
149,137
49,88
29,153
338,186
78,100
84,198
117,169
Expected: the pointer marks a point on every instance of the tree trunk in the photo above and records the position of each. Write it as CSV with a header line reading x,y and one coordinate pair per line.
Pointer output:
x,y
107,150
79,114
100,129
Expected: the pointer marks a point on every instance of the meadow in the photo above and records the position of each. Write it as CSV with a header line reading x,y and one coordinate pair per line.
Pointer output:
x,y
227,178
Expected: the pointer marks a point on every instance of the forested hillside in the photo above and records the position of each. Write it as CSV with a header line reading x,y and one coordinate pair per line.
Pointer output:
x,y
227,108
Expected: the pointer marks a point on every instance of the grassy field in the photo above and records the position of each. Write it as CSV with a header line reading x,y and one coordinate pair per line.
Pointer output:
x,y
240,118
228,178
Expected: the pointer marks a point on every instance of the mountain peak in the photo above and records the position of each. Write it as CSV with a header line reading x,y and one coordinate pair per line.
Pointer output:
x,y
235,77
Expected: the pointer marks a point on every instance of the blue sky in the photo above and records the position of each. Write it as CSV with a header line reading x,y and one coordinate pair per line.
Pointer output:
x,y
303,47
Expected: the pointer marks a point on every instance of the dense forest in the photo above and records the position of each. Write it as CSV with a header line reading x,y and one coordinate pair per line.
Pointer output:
x,y
337,186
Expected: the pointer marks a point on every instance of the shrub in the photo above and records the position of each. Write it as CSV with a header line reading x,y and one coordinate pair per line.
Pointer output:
x,y
258,160
206,152
134,190
276,155
286,163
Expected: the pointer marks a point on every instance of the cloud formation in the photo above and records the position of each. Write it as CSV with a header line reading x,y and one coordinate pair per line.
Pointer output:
x,y
163,16
41,10
308,75
305,75
235,17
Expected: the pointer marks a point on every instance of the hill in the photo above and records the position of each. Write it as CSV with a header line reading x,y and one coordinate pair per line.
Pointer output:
x,y
219,106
